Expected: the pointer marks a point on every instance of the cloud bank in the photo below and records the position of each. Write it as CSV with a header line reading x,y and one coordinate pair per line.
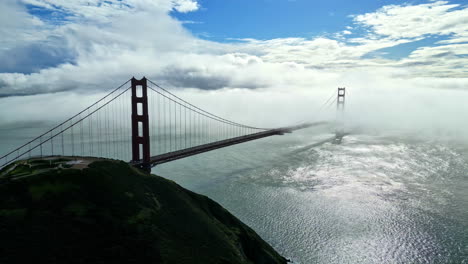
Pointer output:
x,y
85,44
87,47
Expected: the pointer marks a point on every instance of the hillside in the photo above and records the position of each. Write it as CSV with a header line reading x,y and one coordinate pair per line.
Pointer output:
x,y
103,211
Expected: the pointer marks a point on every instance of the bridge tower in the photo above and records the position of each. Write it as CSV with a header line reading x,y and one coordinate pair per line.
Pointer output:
x,y
140,124
340,105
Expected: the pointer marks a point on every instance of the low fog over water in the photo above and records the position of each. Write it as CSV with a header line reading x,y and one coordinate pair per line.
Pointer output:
x,y
424,111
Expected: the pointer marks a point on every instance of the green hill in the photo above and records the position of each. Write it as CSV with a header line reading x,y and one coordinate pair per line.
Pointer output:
x,y
102,211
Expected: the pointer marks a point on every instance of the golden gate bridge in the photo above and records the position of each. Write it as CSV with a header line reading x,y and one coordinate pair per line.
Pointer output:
x,y
153,127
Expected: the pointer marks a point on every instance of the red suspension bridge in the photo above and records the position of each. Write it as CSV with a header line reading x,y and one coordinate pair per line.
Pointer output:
x,y
152,128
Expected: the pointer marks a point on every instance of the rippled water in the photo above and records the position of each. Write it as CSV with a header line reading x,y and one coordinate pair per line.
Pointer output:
x,y
372,199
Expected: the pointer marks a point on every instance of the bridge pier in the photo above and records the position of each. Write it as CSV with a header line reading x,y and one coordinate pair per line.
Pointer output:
x,y
140,125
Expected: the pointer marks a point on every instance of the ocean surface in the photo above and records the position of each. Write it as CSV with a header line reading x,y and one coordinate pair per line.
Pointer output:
x,y
371,199
374,198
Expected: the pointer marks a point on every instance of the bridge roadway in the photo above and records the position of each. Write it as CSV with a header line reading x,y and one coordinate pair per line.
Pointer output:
x,y
175,155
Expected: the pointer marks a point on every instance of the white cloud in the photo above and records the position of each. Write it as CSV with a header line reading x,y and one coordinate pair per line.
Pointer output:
x,y
461,39
17,25
412,21
185,6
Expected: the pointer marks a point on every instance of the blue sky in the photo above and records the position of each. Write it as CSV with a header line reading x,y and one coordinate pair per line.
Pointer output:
x,y
226,21
267,19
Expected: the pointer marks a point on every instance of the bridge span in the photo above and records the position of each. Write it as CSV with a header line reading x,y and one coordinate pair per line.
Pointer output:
x,y
160,159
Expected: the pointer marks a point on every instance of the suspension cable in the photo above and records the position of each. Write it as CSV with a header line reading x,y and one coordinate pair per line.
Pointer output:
x,y
64,122
206,112
72,124
202,112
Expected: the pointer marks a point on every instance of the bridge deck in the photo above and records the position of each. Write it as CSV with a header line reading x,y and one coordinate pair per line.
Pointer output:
x,y
175,155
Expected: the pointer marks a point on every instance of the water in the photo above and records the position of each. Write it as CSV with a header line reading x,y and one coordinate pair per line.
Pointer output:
x,y
372,199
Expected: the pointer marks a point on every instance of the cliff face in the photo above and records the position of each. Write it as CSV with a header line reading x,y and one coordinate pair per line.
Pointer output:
x,y
52,211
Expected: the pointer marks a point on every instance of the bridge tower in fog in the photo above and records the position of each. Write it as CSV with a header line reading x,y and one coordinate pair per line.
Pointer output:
x,y
340,106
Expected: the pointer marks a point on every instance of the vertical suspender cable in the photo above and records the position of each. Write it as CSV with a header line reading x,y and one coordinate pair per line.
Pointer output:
x,y
159,136
190,127
121,124
114,130
90,135
166,142
98,132
72,139
51,143
180,126
175,126
40,141
102,124
114,136
156,124
123,138
170,124
63,144
81,137
106,131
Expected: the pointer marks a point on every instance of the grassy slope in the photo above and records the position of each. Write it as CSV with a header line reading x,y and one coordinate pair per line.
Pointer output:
x,y
112,212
